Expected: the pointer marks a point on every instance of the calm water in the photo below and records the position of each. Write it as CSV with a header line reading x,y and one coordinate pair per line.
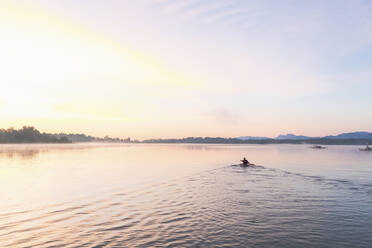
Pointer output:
x,y
94,195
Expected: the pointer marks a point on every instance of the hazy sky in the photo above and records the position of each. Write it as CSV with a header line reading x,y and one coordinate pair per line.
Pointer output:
x,y
175,68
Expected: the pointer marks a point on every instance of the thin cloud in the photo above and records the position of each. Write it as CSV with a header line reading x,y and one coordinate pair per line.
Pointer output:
x,y
216,12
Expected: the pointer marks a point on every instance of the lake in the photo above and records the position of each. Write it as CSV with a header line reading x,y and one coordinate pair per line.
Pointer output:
x,y
183,195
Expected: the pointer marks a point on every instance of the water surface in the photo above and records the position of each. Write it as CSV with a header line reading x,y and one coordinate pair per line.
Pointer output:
x,y
117,195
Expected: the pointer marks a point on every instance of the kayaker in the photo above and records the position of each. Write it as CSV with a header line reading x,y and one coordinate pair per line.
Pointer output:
x,y
245,161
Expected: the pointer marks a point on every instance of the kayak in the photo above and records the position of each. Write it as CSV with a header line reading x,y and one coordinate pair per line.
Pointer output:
x,y
366,149
318,147
244,165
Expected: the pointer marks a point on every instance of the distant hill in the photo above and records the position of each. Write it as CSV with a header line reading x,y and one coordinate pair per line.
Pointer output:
x,y
291,137
353,135
252,138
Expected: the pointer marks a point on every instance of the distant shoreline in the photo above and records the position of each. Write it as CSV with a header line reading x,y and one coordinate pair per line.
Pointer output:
x,y
321,141
30,135
348,142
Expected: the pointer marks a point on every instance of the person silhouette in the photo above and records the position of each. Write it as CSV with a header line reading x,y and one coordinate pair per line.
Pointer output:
x,y
245,161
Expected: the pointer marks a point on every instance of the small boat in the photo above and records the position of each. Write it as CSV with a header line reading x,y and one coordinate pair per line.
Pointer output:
x,y
318,147
367,149
246,165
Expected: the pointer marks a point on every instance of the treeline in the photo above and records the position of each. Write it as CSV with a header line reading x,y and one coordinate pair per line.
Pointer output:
x,y
88,138
219,140
76,137
29,135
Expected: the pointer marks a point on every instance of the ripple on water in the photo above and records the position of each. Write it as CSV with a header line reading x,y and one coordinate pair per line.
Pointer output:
x,y
229,207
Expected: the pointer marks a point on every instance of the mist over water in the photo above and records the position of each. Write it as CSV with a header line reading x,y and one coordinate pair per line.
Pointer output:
x,y
117,195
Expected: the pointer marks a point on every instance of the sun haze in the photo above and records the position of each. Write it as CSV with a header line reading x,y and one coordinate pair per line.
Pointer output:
x,y
150,69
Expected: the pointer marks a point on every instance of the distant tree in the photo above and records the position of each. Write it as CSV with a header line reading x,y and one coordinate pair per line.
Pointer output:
x,y
64,140
28,134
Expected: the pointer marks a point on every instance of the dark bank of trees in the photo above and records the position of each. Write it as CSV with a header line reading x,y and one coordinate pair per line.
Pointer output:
x,y
88,138
29,135
32,135
76,137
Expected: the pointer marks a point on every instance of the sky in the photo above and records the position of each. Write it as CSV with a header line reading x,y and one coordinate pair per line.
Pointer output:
x,y
179,68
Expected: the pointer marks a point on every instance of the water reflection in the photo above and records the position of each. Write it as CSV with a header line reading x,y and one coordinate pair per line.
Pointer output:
x,y
30,151
142,195
19,154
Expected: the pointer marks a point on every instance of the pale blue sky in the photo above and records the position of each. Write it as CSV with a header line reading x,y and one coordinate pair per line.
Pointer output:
x,y
260,67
